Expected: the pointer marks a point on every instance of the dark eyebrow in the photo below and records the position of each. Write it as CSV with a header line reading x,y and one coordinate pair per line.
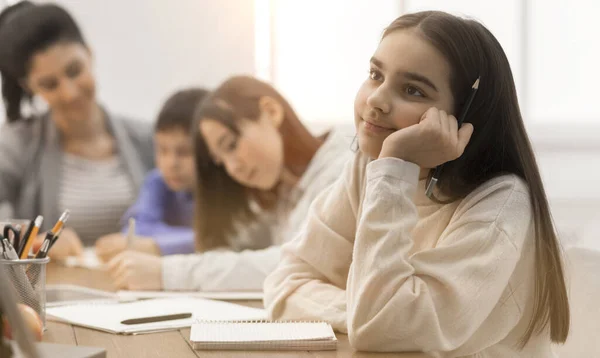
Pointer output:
x,y
47,81
408,75
376,62
73,63
419,78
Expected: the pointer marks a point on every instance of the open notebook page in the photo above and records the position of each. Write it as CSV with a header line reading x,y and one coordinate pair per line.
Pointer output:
x,y
228,296
108,316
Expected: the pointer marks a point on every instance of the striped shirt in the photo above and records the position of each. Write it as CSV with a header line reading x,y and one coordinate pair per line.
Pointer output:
x,y
97,193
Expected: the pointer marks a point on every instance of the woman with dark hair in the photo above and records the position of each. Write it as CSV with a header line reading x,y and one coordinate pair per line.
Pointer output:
x,y
474,270
77,155
258,168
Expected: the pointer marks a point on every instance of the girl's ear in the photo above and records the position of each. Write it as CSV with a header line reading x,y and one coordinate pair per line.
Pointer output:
x,y
271,110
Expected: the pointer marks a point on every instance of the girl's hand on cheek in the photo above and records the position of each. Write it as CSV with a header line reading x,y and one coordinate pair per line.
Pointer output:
x,y
435,140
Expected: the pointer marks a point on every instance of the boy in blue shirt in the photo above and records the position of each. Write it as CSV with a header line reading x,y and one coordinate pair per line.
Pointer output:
x,y
164,209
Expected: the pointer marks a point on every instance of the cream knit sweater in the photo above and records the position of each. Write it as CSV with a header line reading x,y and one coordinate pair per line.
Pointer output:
x,y
377,259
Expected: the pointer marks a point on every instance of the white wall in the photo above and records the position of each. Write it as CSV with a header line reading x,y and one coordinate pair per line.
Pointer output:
x,y
564,57
146,49
322,51
571,181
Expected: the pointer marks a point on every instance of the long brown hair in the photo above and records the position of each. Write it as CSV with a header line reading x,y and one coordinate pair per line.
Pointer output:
x,y
222,202
499,145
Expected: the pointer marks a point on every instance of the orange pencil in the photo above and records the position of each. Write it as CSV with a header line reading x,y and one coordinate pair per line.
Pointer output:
x,y
31,238
61,222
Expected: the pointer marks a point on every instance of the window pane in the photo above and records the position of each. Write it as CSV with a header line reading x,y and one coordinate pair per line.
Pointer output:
x,y
322,51
563,61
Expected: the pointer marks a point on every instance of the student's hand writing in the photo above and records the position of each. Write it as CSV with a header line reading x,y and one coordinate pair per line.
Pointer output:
x,y
68,244
111,245
435,140
133,270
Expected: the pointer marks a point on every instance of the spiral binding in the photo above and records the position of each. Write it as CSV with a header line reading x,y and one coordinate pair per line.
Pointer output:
x,y
197,320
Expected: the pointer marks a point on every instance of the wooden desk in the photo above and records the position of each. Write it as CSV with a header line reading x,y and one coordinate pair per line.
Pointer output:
x,y
166,344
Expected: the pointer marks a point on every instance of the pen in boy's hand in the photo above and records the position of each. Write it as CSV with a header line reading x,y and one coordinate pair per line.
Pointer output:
x,y
130,233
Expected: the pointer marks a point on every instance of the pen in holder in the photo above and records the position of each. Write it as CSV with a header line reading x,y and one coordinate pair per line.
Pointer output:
x,y
28,277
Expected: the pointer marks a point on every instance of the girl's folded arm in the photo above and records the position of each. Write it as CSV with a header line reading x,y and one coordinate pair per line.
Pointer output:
x,y
434,300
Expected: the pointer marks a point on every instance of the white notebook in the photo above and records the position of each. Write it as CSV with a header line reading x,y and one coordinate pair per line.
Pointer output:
x,y
227,296
262,335
150,315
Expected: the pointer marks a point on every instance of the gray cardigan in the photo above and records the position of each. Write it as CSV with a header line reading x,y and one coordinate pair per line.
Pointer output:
x,y
30,163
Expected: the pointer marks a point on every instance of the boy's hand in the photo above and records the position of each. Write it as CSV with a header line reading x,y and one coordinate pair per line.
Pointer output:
x,y
132,270
108,246
111,245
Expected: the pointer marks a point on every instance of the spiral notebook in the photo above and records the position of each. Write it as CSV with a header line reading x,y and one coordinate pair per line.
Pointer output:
x,y
262,335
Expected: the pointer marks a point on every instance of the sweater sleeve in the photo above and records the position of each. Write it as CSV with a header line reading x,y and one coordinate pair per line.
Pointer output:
x,y
310,281
219,270
228,268
434,300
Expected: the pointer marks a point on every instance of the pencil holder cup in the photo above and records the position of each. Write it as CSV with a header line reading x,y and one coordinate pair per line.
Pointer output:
x,y
29,280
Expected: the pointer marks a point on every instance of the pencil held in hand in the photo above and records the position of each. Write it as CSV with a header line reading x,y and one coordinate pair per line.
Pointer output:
x,y
461,118
130,233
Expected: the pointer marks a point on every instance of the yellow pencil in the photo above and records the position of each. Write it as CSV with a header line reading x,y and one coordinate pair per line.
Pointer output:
x,y
31,238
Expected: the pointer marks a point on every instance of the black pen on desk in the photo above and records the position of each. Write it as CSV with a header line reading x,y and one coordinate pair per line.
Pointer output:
x,y
438,170
154,319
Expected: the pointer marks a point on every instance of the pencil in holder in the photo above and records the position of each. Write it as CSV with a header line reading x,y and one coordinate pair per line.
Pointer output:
x,y
29,280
